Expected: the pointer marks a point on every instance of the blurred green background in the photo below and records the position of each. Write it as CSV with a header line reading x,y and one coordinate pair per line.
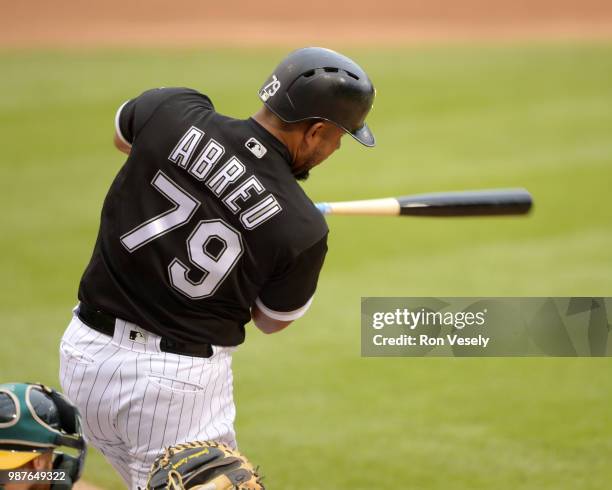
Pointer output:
x,y
311,412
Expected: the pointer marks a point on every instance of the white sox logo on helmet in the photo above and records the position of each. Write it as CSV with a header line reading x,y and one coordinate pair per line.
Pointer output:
x,y
270,89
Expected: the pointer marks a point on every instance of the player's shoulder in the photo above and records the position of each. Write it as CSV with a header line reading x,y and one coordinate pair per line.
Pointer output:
x,y
318,229
156,109
177,95
302,225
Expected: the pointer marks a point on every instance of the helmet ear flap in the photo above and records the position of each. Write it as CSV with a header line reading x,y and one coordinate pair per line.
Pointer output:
x,y
69,419
68,414
73,468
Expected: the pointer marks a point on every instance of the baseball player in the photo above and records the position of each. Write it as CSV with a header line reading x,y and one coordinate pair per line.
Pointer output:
x,y
204,229
35,422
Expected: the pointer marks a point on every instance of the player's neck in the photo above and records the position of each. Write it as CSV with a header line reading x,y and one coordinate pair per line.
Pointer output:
x,y
276,128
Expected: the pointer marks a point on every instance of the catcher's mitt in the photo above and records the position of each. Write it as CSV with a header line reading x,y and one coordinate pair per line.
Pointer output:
x,y
203,465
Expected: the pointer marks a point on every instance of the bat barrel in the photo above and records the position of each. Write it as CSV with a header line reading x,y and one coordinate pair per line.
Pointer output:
x,y
467,203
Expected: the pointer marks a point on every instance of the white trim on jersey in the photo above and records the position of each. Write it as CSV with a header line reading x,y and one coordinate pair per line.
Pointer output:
x,y
118,128
284,316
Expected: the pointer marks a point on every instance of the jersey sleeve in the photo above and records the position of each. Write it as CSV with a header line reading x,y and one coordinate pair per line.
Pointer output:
x,y
288,295
134,114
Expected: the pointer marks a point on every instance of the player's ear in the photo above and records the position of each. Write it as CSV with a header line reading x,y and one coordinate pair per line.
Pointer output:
x,y
315,133
43,462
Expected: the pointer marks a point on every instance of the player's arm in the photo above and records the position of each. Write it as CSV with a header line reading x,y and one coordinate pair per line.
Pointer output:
x,y
266,324
288,295
121,145
124,126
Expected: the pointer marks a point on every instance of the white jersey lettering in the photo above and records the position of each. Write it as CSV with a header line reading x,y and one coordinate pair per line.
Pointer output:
x,y
182,152
260,212
243,192
227,174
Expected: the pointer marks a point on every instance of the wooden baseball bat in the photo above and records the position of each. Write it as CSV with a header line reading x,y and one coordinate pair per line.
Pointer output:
x,y
491,202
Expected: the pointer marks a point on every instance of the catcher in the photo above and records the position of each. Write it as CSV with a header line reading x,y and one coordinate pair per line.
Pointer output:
x,y
203,465
35,423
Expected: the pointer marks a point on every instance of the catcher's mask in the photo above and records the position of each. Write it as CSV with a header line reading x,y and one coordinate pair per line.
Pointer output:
x,y
318,83
35,419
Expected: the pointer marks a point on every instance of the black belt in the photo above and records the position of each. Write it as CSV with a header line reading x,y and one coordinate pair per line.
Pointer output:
x,y
105,323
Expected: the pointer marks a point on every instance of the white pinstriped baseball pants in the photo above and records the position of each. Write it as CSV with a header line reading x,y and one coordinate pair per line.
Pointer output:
x,y
135,399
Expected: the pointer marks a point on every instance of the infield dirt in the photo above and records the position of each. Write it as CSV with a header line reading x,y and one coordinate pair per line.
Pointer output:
x,y
244,23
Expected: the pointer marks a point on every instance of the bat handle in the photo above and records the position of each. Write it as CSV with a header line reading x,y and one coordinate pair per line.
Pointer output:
x,y
323,207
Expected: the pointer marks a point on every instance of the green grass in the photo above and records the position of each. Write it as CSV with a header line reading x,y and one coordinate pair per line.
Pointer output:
x,y
311,411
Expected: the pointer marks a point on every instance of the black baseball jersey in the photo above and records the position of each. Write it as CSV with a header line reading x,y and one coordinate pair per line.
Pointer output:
x,y
204,220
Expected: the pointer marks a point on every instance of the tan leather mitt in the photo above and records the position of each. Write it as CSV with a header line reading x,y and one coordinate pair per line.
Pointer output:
x,y
203,465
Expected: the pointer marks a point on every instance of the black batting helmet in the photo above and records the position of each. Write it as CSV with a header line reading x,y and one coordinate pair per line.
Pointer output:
x,y
318,83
